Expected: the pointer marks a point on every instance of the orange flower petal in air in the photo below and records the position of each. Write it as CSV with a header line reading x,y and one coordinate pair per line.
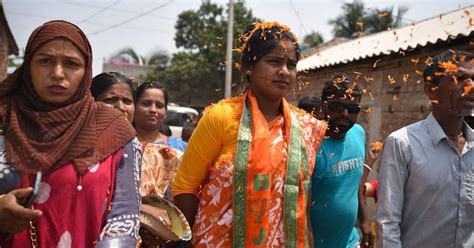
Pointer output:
x,y
467,89
375,64
391,80
371,97
448,66
405,78
376,146
237,65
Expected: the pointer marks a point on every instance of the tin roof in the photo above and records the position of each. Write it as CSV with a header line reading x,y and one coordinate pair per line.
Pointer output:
x,y
430,31
12,46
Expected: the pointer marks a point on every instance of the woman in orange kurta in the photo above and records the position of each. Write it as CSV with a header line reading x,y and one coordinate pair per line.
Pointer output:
x,y
243,180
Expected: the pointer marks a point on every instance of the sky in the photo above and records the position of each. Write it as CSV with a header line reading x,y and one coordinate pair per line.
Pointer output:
x,y
147,26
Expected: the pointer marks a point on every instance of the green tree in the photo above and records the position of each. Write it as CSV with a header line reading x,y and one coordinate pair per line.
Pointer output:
x,y
313,39
182,77
129,55
158,58
383,19
198,71
345,25
356,21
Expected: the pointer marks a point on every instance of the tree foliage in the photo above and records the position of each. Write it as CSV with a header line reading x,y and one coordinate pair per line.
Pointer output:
x,y
198,70
313,39
345,25
381,20
356,20
129,55
158,58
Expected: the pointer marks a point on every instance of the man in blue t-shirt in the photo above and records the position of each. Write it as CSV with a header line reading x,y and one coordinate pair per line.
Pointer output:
x,y
335,204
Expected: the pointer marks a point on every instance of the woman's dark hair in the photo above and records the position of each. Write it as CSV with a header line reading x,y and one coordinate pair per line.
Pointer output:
x,y
435,70
105,80
152,85
262,38
340,85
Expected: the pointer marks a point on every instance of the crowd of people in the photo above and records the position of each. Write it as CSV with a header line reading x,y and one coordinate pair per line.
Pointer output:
x,y
81,157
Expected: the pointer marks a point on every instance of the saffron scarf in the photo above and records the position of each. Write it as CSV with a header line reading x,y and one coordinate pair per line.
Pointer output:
x,y
252,175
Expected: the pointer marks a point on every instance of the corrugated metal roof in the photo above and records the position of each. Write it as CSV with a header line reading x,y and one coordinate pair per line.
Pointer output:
x,y
12,46
432,30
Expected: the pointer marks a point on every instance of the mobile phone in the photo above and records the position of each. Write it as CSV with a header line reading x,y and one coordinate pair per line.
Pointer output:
x,y
27,202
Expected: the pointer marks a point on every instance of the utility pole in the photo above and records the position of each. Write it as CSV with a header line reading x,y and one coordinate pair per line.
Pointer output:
x,y
228,66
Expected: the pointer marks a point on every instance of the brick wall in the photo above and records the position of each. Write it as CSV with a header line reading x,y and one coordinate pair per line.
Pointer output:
x,y
387,114
3,54
394,105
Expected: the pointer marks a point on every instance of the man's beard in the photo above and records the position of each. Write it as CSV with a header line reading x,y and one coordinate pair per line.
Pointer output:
x,y
340,125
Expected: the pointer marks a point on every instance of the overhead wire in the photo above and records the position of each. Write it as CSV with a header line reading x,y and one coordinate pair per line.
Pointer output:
x,y
118,10
131,19
99,12
45,18
298,16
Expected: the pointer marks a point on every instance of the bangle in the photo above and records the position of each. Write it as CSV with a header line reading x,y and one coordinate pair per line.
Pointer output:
x,y
368,167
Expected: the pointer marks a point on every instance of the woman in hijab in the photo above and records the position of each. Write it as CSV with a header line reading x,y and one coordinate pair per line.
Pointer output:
x,y
87,153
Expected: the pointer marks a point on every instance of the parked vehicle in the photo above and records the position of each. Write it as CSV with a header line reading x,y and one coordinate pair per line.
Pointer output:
x,y
177,116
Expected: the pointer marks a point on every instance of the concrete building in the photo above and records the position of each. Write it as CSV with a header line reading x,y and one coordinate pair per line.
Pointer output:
x,y
132,70
389,66
8,45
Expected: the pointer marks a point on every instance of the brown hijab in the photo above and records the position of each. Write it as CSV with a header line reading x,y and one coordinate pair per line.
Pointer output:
x,y
43,136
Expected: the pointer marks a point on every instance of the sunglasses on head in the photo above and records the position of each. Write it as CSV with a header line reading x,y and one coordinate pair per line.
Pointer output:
x,y
352,108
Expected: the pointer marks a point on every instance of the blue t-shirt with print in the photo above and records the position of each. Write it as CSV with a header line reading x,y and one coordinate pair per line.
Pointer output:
x,y
335,184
